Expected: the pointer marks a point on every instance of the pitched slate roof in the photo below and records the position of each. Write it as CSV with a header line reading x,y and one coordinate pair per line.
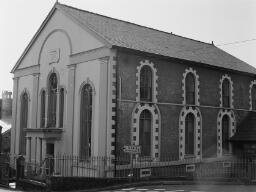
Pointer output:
x,y
128,35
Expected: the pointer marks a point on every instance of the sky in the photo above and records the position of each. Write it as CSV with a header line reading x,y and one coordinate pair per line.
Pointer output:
x,y
220,21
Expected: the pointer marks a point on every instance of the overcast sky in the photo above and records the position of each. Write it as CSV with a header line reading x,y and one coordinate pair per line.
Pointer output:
x,y
221,21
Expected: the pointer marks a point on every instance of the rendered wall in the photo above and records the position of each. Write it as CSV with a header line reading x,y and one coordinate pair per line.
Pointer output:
x,y
91,72
66,37
81,40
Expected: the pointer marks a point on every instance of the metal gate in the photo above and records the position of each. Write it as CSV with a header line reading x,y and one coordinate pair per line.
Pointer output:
x,y
4,169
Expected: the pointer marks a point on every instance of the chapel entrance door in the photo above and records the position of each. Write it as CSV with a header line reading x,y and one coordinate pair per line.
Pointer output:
x,y
50,158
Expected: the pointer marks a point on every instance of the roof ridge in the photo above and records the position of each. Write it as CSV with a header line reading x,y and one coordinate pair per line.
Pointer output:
x,y
169,33
88,25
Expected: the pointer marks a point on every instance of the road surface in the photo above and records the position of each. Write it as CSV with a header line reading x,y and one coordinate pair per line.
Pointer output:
x,y
189,188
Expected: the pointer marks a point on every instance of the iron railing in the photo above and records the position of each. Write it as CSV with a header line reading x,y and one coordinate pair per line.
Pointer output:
x,y
4,169
138,168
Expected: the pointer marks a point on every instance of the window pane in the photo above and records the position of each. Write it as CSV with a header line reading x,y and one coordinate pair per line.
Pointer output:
x,y
85,121
225,134
52,100
189,134
226,93
190,89
146,83
23,122
253,97
61,105
43,109
145,133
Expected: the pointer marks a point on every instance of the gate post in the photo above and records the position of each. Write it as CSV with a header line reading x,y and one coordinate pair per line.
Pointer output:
x,y
20,167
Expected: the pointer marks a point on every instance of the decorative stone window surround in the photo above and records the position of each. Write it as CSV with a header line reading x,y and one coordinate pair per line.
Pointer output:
x,y
250,92
231,90
59,87
24,91
154,80
198,133
87,82
197,83
155,127
232,129
40,104
29,102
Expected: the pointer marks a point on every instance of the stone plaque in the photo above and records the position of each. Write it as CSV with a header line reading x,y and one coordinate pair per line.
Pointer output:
x,y
53,56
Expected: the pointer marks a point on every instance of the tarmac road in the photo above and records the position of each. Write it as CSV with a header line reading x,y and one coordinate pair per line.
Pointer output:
x,y
188,188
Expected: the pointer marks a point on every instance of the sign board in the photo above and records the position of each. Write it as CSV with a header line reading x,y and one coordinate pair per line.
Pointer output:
x,y
190,168
145,172
53,56
135,149
226,164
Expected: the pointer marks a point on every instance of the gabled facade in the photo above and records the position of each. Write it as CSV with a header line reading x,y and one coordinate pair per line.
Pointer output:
x,y
49,81
87,85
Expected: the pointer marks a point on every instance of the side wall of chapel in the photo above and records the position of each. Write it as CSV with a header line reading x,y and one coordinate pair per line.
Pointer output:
x,y
170,99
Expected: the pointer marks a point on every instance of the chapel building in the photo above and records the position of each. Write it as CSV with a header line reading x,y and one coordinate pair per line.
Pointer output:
x,y
87,85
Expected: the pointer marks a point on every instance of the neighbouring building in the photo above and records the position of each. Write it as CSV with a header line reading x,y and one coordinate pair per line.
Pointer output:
x,y
6,104
1,138
5,120
6,141
88,84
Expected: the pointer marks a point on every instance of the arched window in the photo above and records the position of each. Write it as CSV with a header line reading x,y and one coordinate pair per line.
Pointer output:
x,y
225,134
61,107
145,133
226,93
146,84
52,104
85,121
190,89
253,95
189,134
23,122
42,109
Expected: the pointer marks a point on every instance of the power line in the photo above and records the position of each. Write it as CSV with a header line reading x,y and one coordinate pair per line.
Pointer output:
x,y
235,42
219,45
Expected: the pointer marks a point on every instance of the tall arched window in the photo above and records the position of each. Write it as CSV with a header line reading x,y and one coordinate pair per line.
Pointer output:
x,y
52,104
146,83
190,89
85,121
61,107
189,134
42,109
145,133
23,122
226,93
253,96
225,134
